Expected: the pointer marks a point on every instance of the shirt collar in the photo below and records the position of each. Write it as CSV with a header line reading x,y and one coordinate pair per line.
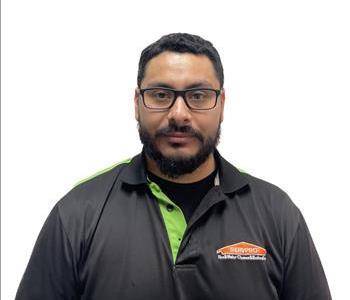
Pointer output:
x,y
230,178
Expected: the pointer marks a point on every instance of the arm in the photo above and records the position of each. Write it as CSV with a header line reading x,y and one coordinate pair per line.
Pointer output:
x,y
304,278
51,271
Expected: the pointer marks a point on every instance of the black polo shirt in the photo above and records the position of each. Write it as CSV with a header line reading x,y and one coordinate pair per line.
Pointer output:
x,y
112,237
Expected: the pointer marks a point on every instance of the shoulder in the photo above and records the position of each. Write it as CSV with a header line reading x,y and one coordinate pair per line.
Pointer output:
x,y
273,203
89,195
268,193
78,212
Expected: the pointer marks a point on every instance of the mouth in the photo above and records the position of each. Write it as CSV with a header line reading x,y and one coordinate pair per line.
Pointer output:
x,y
178,137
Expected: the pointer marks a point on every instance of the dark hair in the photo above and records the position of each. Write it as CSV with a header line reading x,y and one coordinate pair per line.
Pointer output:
x,y
182,43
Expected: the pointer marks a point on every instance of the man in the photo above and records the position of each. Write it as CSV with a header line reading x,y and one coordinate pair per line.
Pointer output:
x,y
176,221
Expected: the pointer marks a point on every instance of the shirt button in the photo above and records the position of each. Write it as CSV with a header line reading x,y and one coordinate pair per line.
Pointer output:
x,y
170,207
156,188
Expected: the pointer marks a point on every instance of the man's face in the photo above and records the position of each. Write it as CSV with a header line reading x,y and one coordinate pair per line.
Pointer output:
x,y
179,136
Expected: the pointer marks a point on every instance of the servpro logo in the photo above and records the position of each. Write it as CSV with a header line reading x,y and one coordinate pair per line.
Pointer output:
x,y
242,251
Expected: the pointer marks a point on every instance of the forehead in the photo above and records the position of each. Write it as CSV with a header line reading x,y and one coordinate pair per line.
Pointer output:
x,y
180,70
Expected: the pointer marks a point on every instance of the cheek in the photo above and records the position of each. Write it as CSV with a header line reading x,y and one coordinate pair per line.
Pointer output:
x,y
208,126
151,121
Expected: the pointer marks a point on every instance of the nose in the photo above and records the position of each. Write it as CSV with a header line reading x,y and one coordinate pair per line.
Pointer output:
x,y
180,112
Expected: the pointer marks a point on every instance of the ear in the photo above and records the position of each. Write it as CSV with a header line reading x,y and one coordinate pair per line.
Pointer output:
x,y
222,103
136,103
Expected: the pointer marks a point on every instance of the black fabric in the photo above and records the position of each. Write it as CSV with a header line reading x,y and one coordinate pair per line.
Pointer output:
x,y
51,273
185,195
106,240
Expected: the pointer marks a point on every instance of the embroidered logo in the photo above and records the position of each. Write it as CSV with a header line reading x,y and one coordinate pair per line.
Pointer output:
x,y
242,251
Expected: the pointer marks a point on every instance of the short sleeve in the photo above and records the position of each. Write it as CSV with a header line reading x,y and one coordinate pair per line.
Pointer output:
x,y
304,278
50,273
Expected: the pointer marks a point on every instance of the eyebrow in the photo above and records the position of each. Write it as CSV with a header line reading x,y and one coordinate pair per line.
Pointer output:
x,y
199,84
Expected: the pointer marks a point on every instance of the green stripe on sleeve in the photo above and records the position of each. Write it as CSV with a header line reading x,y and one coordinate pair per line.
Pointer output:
x,y
102,171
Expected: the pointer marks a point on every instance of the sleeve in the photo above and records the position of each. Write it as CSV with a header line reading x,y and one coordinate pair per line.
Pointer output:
x,y
50,273
304,278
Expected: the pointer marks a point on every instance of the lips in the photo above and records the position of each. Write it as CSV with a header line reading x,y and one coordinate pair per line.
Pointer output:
x,y
178,134
178,137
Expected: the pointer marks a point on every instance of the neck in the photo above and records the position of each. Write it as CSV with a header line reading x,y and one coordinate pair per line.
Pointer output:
x,y
201,172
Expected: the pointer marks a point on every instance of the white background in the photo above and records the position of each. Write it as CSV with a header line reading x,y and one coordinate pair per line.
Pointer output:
x,y
68,76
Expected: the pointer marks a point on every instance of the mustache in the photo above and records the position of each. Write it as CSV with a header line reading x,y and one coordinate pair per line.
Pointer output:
x,y
173,127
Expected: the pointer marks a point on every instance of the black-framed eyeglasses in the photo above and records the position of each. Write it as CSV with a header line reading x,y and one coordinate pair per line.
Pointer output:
x,y
161,98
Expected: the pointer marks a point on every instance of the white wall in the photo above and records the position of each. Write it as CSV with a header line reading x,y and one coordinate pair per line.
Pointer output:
x,y
68,76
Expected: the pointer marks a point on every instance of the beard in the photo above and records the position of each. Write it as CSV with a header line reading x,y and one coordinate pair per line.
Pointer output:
x,y
177,165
